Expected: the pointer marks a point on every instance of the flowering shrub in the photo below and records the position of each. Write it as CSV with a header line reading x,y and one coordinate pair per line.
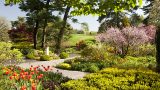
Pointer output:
x,y
129,37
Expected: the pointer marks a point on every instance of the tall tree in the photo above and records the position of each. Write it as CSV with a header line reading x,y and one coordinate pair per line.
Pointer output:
x,y
154,16
33,9
62,30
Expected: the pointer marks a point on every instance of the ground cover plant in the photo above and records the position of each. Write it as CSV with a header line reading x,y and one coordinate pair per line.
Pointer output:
x,y
35,78
114,78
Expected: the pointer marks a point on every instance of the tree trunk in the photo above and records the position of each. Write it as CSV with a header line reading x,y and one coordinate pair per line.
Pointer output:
x,y
35,34
61,32
45,25
158,48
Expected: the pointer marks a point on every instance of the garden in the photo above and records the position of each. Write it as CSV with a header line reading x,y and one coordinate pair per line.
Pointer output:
x,y
44,51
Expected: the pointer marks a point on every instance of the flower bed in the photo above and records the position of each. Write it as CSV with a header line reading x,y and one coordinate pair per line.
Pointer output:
x,y
13,77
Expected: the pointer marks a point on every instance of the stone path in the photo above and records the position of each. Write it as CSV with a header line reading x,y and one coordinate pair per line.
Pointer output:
x,y
67,73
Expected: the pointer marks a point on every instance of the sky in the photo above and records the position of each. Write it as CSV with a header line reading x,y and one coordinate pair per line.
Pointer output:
x,y
12,12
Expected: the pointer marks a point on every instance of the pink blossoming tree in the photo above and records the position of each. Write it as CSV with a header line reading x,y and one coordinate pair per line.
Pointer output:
x,y
129,37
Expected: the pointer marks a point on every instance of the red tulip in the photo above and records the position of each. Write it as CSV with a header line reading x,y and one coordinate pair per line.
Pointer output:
x,y
32,73
39,77
31,69
7,72
29,76
23,87
14,74
26,73
11,77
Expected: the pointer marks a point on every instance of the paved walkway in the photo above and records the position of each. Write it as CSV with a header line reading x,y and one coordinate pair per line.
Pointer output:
x,y
67,73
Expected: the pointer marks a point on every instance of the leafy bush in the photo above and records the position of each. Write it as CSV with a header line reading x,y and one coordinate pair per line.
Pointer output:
x,y
143,50
69,50
113,78
94,53
64,55
64,66
81,45
45,58
7,54
26,51
30,56
93,68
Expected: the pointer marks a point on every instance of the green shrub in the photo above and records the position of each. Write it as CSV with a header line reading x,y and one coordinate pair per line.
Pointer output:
x,y
138,62
26,51
93,68
85,66
30,56
81,45
143,50
94,53
54,56
45,58
64,66
69,50
64,55
116,79
7,54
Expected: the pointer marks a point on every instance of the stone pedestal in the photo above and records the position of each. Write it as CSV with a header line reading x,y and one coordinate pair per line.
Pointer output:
x,y
47,51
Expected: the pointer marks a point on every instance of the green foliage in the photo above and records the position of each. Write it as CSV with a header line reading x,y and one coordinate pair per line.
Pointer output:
x,y
138,62
94,53
64,66
7,54
45,58
30,56
64,55
81,45
86,66
143,50
113,78
26,51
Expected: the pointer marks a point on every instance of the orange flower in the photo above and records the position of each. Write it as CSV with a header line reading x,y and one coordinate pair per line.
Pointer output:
x,y
23,87
33,86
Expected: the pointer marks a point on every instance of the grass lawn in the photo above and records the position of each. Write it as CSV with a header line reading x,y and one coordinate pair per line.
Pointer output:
x,y
76,38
